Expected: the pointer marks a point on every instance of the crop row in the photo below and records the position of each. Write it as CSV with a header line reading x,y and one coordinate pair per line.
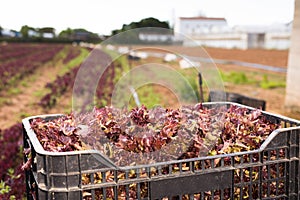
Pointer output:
x,y
62,83
11,173
20,67
65,83
58,88
13,51
73,53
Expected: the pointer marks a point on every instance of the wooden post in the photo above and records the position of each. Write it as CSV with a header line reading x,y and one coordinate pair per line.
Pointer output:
x,y
200,88
292,99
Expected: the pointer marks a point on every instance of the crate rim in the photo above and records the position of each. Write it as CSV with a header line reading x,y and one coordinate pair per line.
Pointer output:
x,y
40,150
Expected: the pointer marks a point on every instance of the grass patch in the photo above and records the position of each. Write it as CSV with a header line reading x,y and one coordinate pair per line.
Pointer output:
x,y
183,83
4,101
236,78
147,97
146,93
263,81
32,78
121,64
14,91
193,82
61,55
121,68
271,84
40,93
74,62
24,83
13,80
23,115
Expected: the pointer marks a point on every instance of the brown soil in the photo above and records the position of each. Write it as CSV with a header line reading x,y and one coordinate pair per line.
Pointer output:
x,y
25,102
267,57
276,58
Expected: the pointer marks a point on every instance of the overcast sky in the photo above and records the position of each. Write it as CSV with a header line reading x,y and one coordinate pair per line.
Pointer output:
x,y
104,16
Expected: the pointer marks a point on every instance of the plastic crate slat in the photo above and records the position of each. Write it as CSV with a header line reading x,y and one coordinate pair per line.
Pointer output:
x,y
99,185
131,181
190,184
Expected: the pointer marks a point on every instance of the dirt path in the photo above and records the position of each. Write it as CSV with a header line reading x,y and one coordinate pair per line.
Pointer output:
x,y
24,101
276,58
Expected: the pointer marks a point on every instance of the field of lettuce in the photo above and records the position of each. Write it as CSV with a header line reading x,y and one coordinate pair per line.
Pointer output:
x,y
36,79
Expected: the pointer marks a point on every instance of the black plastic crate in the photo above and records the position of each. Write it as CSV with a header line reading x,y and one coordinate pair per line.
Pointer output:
x,y
237,98
272,170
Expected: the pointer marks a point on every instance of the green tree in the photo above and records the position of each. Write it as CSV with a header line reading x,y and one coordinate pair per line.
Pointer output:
x,y
1,31
152,22
79,34
133,37
66,33
25,29
147,22
47,30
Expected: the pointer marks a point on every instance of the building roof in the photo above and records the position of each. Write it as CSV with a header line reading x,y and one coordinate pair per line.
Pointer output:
x,y
202,18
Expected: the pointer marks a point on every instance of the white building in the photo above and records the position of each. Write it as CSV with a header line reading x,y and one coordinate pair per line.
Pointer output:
x,y
274,36
33,33
194,26
48,35
215,32
205,31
